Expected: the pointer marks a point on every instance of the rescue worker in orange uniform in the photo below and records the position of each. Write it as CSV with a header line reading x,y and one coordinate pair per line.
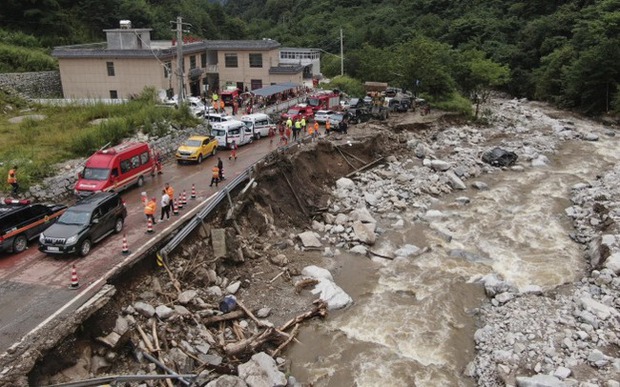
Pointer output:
x,y
12,180
215,176
328,126
149,210
311,132
316,129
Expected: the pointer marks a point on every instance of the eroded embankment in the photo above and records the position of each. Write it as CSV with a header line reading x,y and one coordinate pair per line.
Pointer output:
x,y
172,313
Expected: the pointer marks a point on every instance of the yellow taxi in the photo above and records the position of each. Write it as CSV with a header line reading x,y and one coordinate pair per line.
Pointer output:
x,y
196,148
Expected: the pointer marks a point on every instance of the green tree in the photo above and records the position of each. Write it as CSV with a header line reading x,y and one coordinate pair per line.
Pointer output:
x,y
479,76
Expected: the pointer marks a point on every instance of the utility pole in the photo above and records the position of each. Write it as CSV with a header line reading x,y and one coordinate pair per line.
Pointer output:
x,y
179,30
180,59
341,55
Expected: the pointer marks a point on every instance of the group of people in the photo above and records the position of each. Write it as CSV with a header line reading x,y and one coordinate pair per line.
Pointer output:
x,y
166,203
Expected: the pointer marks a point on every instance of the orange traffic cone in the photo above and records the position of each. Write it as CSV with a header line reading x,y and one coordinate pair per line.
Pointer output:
x,y
175,207
125,247
74,279
149,226
193,195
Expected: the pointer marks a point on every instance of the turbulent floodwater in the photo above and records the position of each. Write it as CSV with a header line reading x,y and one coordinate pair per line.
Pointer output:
x,y
413,319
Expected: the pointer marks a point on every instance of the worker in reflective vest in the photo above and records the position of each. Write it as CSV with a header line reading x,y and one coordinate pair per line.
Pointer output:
x,y
303,123
150,208
12,180
316,129
327,126
215,176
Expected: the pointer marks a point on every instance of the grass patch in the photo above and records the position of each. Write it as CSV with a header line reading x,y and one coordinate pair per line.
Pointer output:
x,y
68,132
455,103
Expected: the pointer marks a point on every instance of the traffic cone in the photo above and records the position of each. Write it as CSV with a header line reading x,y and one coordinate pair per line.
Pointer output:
x,y
184,198
74,279
149,226
125,247
193,195
175,207
180,202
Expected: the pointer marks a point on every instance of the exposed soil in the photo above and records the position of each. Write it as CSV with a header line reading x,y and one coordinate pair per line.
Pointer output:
x,y
290,189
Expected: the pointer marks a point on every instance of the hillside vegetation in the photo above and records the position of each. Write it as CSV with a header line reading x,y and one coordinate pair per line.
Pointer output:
x,y
563,51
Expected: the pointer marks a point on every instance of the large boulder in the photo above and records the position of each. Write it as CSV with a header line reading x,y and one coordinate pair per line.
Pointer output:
x,y
261,371
499,157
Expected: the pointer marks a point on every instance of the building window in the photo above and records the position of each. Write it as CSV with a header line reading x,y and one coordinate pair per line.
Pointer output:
x,y
110,66
167,69
203,61
113,94
256,84
192,62
230,60
256,60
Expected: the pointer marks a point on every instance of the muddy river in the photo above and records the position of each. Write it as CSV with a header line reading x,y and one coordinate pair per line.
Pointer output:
x,y
413,320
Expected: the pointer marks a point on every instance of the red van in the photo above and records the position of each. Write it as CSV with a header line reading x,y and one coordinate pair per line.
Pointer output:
x,y
115,169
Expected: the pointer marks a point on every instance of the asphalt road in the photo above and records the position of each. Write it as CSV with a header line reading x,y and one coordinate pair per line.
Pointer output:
x,y
34,287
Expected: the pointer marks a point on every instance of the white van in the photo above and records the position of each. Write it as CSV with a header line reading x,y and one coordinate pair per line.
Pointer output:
x,y
217,117
228,131
259,123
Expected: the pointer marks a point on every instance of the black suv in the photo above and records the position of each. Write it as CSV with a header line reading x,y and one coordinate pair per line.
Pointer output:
x,y
89,221
21,221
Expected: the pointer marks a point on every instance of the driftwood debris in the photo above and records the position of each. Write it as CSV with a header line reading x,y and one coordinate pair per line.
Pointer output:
x,y
380,255
305,283
371,164
269,334
235,314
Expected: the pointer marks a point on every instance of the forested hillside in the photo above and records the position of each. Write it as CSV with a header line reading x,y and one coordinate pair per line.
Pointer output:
x,y
566,52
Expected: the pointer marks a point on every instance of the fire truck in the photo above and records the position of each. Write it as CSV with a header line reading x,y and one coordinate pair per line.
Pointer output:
x,y
327,101
229,94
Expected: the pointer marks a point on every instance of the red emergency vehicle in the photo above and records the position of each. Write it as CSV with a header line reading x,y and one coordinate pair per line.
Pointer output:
x,y
116,169
327,101
229,95
297,112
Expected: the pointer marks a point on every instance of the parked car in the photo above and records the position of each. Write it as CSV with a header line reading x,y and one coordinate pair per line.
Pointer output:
x,y
116,169
85,223
260,123
335,118
22,221
298,111
196,148
322,116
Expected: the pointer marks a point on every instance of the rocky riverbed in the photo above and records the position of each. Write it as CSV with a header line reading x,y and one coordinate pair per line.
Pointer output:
x,y
528,335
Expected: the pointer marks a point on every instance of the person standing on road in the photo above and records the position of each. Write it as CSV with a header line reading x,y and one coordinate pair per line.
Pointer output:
x,y
303,124
222,106
170,192
149,210
220,166
296,129
289,123
316,129
311,132
215,176
233,151
165,205
271,134
328,126
12,180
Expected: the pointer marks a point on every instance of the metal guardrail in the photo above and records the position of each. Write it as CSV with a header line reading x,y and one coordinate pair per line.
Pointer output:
x,y
199,217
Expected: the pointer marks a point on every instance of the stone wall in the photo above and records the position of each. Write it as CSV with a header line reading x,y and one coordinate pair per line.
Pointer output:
x,y
59,188
41,84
